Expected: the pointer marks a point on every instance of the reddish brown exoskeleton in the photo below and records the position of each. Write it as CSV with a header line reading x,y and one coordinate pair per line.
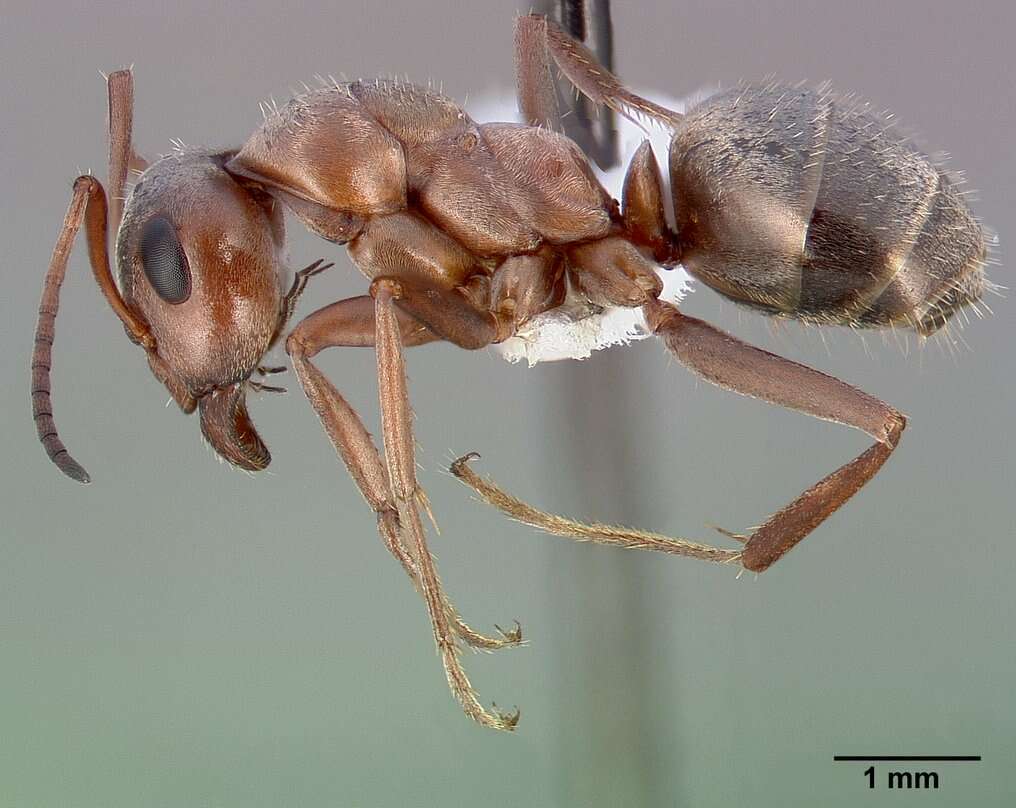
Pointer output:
x,y
785,199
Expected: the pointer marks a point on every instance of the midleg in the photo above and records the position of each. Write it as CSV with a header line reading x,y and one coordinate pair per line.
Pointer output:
x,y
350,323
592,127
538,41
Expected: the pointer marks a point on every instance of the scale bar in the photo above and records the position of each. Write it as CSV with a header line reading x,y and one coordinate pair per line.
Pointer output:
x,y
940,758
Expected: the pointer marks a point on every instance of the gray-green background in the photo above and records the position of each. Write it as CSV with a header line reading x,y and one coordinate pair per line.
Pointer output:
x,y
178,634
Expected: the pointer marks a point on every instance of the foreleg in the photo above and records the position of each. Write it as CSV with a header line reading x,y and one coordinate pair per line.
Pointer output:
x,y
400,454
350,323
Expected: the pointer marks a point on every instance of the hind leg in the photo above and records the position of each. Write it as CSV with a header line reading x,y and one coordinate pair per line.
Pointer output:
x,y
727,362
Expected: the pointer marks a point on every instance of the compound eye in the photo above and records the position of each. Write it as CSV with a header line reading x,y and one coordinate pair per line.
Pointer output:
x,y
164,260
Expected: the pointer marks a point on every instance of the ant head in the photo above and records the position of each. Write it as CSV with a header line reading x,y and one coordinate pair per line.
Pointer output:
x,y
199,259
199,255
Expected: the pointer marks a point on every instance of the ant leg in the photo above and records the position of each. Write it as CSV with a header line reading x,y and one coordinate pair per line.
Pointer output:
x,y
537,42
727,362
594,532
593,127
350,323
396,420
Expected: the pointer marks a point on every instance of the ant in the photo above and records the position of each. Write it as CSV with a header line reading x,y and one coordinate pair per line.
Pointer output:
x,y
789,200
